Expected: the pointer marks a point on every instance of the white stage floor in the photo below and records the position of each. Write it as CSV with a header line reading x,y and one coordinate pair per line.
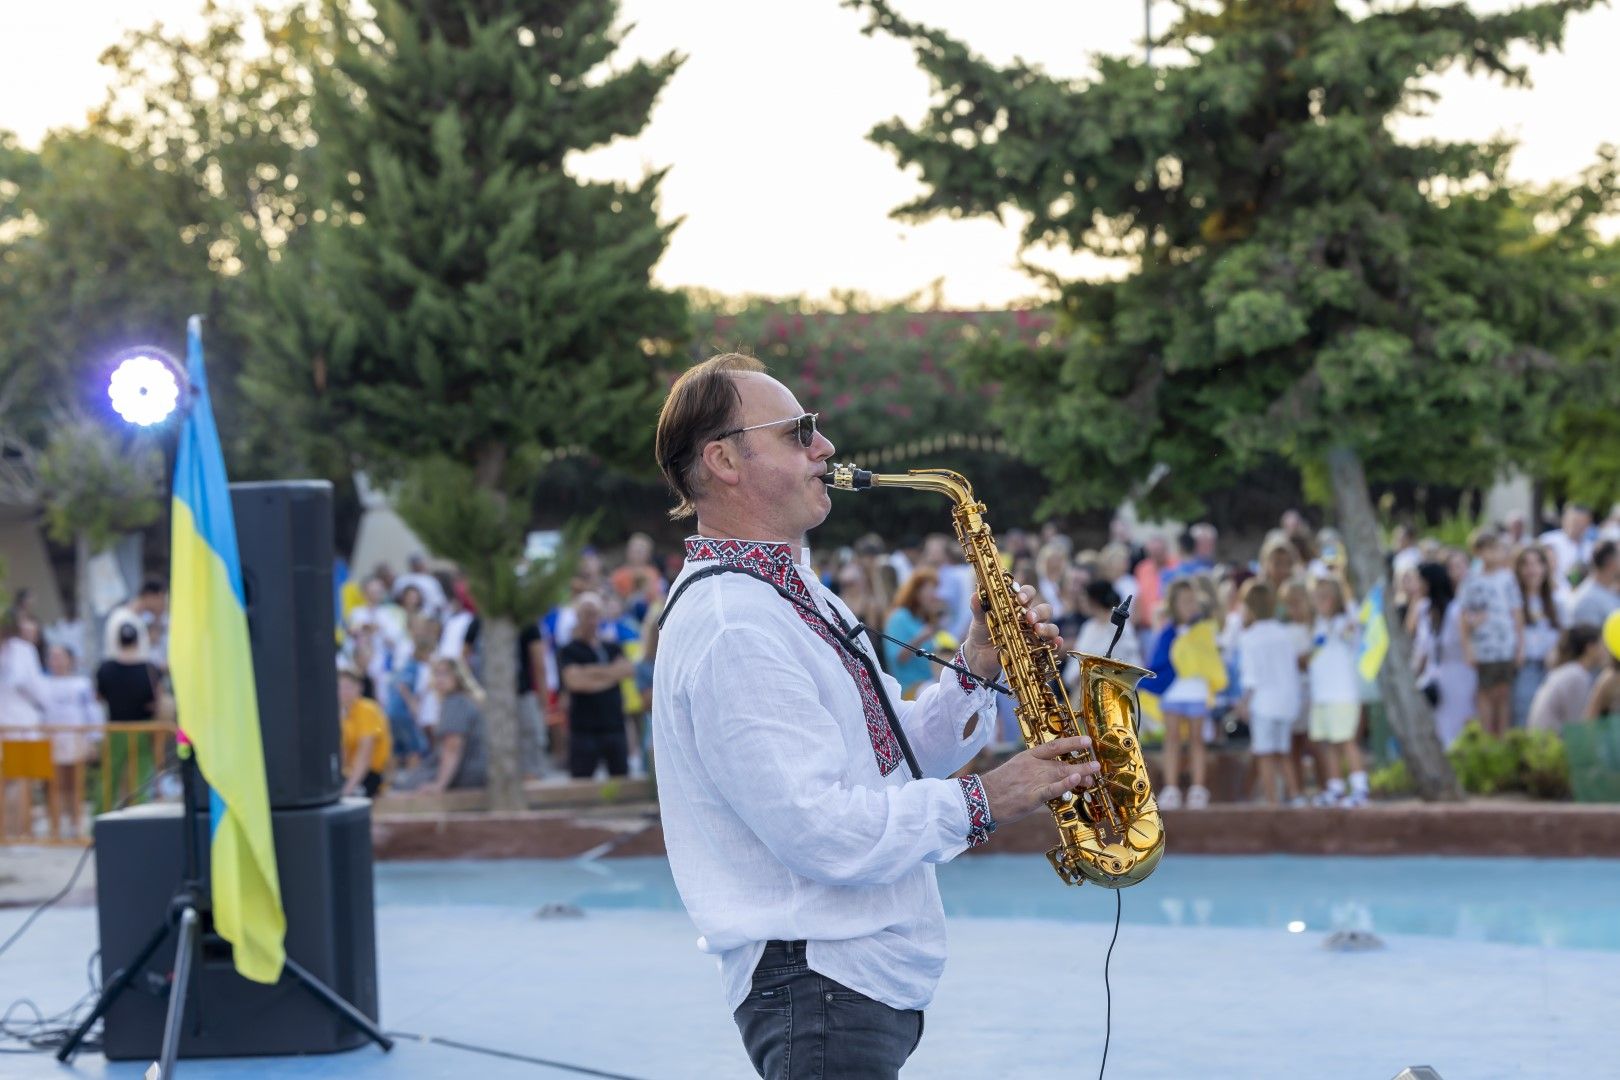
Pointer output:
x,y
626,992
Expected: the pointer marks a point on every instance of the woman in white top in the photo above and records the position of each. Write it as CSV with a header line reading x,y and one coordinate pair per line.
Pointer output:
x,y
22,682
22,679
1533,570
1440,654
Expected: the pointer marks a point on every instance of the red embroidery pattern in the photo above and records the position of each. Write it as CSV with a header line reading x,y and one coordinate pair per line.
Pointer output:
x,y
775,562
980,823
967,684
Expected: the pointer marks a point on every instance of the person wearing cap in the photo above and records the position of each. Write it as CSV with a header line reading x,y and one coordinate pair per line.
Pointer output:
x,y
367,744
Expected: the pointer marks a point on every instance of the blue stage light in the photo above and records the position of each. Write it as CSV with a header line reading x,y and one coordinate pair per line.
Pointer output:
x,y
145,387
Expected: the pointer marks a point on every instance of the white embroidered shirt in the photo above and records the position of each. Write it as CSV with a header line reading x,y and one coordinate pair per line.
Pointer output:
x,y
789,811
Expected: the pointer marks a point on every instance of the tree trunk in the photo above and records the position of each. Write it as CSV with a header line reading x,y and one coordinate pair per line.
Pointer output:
x,y
501,714
90,624
1409,712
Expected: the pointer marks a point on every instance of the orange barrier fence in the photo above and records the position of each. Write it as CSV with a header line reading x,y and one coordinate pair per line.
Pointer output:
x,y
81,771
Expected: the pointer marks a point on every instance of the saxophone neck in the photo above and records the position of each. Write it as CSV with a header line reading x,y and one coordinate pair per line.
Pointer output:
x,y
954,486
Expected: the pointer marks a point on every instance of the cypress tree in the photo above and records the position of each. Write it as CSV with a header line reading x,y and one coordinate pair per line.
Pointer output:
x,y
463,304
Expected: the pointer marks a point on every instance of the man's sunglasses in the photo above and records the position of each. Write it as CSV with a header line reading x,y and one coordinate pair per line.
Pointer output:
x,y
805,428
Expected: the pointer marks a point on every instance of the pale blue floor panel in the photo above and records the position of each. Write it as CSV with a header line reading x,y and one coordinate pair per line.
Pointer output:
x,y
627,992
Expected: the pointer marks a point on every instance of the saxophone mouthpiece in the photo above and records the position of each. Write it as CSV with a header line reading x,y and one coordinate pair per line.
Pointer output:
x,y
846,477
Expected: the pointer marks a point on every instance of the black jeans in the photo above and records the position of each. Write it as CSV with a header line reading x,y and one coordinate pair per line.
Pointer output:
x,y
798,1025
586,748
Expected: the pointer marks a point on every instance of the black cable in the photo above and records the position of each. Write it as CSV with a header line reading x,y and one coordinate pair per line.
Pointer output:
x,y
989,684
73,880
79,868
583,1070
46,1033
1108,992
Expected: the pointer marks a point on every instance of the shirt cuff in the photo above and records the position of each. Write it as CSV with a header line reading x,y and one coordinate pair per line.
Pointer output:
x,y
968,685
980,823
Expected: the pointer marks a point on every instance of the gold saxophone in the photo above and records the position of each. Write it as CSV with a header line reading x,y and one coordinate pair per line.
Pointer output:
x,y
1111,834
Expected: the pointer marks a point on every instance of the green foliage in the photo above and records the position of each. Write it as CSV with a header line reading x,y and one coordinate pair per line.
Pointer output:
x,y
95,486
464,294
891,398
1484,765
445,505
230,120
1521,761
1585,460
1531,762
1299,279
1545,764
94,258
1392,781
1454,529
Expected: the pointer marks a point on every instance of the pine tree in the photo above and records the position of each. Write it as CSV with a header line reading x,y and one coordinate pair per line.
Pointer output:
x,y
1301,283
465,303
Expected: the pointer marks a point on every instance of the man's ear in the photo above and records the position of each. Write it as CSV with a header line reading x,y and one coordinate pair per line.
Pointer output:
x,y
721,459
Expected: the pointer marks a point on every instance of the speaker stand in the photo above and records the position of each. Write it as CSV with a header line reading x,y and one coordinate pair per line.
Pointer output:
x,y
185,916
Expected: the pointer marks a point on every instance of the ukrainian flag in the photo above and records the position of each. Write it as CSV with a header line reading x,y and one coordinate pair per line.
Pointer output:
x,y
212,669
1374,634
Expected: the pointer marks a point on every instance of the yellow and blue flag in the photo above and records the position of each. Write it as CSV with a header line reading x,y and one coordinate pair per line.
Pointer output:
x,y
1374,634
212,667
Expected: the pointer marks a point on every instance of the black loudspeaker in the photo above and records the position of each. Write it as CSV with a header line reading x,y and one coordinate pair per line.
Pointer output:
x,y
284,537
324,857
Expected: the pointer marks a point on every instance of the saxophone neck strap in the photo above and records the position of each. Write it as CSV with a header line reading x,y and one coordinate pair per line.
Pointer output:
x,y
843,638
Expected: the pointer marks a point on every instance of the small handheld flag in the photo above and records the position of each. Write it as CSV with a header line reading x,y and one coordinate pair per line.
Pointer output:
x,y
1374,634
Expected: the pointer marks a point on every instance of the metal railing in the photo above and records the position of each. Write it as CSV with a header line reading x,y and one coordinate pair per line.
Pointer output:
x,y
81,770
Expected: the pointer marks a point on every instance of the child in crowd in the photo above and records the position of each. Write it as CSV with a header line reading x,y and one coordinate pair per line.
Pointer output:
x,y
366,745
1493,620
1538,615
1295,612
1188,673
70,702
1335,687
1268,666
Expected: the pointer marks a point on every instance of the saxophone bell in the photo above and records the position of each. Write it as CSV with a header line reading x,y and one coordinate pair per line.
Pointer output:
x,y
1112,834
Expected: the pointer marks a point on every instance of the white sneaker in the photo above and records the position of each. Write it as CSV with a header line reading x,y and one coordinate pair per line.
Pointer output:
x,y
1197,797
1170,799
1355,798
1326,798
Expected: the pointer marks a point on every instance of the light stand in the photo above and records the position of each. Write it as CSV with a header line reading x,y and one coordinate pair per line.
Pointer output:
x,y
190,910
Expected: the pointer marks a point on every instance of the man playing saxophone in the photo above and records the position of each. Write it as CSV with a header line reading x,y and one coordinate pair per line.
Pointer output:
x,y
804,803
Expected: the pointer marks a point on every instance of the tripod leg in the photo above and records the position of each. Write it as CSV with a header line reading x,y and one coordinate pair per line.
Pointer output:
x,y
184,950
110,992
337,1005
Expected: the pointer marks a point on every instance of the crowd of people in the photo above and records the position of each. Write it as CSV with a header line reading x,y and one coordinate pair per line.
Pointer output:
x,y
44,688
1262,653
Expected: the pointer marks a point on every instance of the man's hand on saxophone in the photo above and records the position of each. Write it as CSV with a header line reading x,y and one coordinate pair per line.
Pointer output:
x,y
1028,781
980,652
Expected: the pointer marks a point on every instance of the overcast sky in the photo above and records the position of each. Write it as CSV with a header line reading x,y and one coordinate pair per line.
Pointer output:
x,y
764,129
